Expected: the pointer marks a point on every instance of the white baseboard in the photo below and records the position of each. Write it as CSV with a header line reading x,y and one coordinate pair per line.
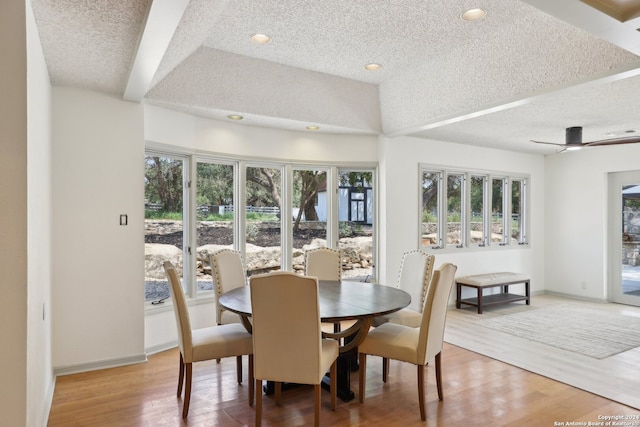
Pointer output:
x,y
578,297
161,347
103,364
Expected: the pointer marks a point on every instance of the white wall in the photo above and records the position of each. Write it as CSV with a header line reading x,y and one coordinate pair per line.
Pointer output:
x,y
98,265
400,218
13,212
214,136
39,173
576,217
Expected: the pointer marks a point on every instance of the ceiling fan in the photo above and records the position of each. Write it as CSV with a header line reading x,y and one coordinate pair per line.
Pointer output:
x,y
573,140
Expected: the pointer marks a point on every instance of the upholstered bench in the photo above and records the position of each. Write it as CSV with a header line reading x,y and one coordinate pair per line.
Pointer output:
x,y
491,280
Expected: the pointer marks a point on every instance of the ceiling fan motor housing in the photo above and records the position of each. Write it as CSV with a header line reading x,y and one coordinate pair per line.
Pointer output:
x,y
574,136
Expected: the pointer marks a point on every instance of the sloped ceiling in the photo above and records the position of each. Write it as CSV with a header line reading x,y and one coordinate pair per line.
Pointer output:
x,y
527,70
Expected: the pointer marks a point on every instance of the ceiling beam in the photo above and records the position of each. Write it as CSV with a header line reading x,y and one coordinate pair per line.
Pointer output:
x,y
161,23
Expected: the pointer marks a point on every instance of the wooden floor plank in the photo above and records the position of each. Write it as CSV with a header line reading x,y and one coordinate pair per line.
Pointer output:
x,y
478,390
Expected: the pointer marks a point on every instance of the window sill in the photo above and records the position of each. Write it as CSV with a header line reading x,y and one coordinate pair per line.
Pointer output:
x,y
205,298
453,249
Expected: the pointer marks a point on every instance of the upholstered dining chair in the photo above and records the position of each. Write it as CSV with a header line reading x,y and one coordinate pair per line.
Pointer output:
x,y
287,341
323,263
201,344
416,269
227,272
413,345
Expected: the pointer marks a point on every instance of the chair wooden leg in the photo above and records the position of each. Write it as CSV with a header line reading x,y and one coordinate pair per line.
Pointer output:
x,y
421,391
334,384
316,411
385,369
252,390
277,395
258,403
181,376
239,368
362,370
439,375
187,390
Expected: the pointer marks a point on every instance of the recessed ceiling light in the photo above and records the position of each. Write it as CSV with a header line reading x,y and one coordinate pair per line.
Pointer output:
x,y
235,117
372,66
261,39
474,14
313,127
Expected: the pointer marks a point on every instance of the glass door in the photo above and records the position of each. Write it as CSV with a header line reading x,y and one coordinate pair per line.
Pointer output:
x,y
624,208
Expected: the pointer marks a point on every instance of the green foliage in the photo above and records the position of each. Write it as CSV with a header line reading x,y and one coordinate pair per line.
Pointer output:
x,y
252,231
263,187
217,217
163,182
214,184
454,217
258,217
175,216
344,229
356,179
428,217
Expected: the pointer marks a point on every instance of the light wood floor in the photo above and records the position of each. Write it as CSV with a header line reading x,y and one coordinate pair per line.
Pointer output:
x,y
616,377
477,391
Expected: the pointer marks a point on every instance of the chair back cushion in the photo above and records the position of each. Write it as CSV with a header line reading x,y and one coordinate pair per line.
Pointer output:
x,y
227,272
181,311
286,328
435,313
415,275
323,263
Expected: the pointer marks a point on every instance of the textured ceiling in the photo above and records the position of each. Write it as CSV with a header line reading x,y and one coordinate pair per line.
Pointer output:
x,y
526,71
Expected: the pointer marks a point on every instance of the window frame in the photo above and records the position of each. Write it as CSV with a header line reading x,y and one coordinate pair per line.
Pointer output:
x,y
488,177
240,164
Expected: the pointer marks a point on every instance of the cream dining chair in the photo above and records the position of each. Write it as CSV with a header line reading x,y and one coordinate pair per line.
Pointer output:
x,y
209,343
414,278
413,345
325,264
227,272
287,341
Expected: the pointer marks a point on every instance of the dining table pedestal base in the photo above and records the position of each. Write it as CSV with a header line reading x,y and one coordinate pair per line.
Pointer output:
x,y
347,362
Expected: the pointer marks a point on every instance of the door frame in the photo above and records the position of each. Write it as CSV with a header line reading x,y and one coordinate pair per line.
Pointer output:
x,y
615,182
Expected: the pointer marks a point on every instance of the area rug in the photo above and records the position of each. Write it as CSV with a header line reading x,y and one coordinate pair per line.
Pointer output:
x,y
584,330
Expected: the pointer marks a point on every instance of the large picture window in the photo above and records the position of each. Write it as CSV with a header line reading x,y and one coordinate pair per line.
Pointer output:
x,y
270,212
472,209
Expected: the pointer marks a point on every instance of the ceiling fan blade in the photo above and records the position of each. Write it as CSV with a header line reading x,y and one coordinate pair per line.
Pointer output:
x,y
548,143
614,141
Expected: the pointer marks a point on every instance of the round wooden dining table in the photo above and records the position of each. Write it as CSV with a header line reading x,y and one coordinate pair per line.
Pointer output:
x,y
339,301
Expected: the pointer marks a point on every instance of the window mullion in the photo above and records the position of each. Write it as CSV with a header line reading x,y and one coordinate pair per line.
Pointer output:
x,y
189,227
442,211
286,218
